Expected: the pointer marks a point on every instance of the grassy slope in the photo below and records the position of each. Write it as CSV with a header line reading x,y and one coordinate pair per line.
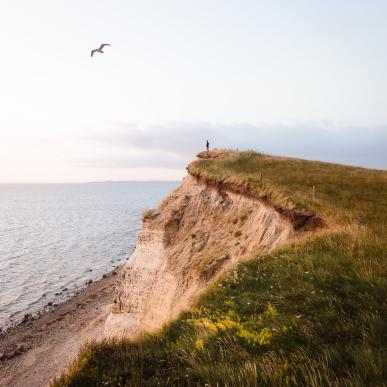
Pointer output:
x,y
310,313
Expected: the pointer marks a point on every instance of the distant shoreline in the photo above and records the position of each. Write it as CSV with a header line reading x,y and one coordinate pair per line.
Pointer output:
x,y
87,182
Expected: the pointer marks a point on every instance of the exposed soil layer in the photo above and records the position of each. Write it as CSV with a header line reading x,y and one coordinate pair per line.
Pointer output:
x,y
199,231
301,219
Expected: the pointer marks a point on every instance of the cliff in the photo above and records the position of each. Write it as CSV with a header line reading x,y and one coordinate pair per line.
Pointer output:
x,y
308,313
200,230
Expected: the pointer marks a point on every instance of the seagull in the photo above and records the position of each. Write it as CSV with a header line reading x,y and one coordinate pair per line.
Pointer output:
x,y
99,49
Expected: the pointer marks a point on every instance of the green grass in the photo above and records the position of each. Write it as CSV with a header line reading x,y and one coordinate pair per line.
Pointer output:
x,y
312,313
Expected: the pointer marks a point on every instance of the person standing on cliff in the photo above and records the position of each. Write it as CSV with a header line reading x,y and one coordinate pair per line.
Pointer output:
x,y
207,146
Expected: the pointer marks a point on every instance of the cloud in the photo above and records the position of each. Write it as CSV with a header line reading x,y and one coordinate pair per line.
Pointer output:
x,y
174,145
149,160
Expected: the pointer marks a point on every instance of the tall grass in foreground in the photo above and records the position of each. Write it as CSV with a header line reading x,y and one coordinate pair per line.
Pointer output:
x,y
312,313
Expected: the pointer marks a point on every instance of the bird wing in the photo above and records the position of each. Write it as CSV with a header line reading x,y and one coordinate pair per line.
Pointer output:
x,y
103,45
92,52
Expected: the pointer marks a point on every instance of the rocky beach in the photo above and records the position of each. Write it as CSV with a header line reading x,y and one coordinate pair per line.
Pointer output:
x,y
35,351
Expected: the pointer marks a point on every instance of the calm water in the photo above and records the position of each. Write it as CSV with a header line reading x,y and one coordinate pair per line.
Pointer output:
x,y
55,237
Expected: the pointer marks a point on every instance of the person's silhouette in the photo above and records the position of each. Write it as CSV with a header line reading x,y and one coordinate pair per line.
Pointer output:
x,y
207,146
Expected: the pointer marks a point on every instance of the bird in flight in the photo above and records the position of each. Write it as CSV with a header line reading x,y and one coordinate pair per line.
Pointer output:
x,y
99,49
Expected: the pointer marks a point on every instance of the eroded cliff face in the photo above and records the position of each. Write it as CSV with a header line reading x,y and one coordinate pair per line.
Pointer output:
x,y
198,232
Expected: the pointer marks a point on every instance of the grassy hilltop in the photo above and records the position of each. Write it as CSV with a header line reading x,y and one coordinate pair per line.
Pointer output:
x,y
311,313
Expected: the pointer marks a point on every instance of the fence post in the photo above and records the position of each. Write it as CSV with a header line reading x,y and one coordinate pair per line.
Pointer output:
x,y
313,194
359,221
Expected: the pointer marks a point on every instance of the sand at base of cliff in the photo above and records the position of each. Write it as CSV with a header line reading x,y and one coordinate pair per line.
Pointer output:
x,y
48,343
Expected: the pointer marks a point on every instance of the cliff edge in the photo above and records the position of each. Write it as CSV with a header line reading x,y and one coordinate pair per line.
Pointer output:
x,y
199,231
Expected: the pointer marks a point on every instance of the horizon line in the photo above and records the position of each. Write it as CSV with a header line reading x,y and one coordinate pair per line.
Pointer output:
x,y
91,182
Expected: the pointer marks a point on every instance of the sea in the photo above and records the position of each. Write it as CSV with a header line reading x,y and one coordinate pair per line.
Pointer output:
x,y
55,238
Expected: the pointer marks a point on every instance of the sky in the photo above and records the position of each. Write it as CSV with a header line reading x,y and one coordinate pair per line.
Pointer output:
x,y
302,78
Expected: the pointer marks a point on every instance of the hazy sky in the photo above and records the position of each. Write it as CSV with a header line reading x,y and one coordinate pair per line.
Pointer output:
x,y
302,78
